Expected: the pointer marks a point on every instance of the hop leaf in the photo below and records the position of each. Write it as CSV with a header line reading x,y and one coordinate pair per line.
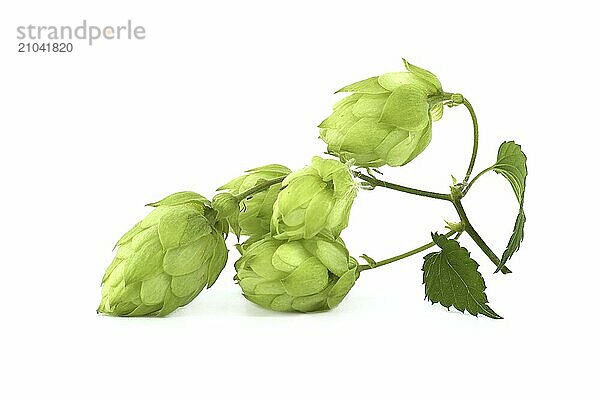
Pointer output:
x,y
514,243
451,279
512,164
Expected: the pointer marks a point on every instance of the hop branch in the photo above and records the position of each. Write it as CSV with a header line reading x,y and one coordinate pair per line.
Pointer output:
x,y
292,256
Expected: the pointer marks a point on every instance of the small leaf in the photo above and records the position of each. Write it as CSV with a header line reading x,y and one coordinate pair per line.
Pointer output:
x,y
515,239
451,279
407,108
512,164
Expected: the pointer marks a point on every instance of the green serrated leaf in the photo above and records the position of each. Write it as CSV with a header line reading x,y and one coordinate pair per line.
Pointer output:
x,y
451,279
516,238
512,164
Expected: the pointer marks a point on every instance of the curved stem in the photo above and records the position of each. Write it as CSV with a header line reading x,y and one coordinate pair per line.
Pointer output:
x,y
259,188
466,189
477,238
475,139
400,188
403,255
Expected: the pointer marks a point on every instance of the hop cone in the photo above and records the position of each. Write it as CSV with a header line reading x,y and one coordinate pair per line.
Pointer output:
x,y
302,275
255,215
314,200
165,260
387,119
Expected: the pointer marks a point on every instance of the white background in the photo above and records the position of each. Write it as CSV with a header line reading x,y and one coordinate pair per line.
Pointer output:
x,y
88,138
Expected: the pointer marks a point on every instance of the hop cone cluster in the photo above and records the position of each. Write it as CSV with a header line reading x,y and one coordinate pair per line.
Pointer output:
x,y
293,258
166,259
386,120
303,275
299,263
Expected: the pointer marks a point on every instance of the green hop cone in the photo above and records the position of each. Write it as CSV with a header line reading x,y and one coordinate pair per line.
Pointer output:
x,y
255,216
166,259
314,200
302,275
387,120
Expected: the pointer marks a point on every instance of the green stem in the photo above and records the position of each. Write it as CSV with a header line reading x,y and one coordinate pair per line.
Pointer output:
x,y
440,98
476,237
475,139
259,188
466,189
403,255
400,188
